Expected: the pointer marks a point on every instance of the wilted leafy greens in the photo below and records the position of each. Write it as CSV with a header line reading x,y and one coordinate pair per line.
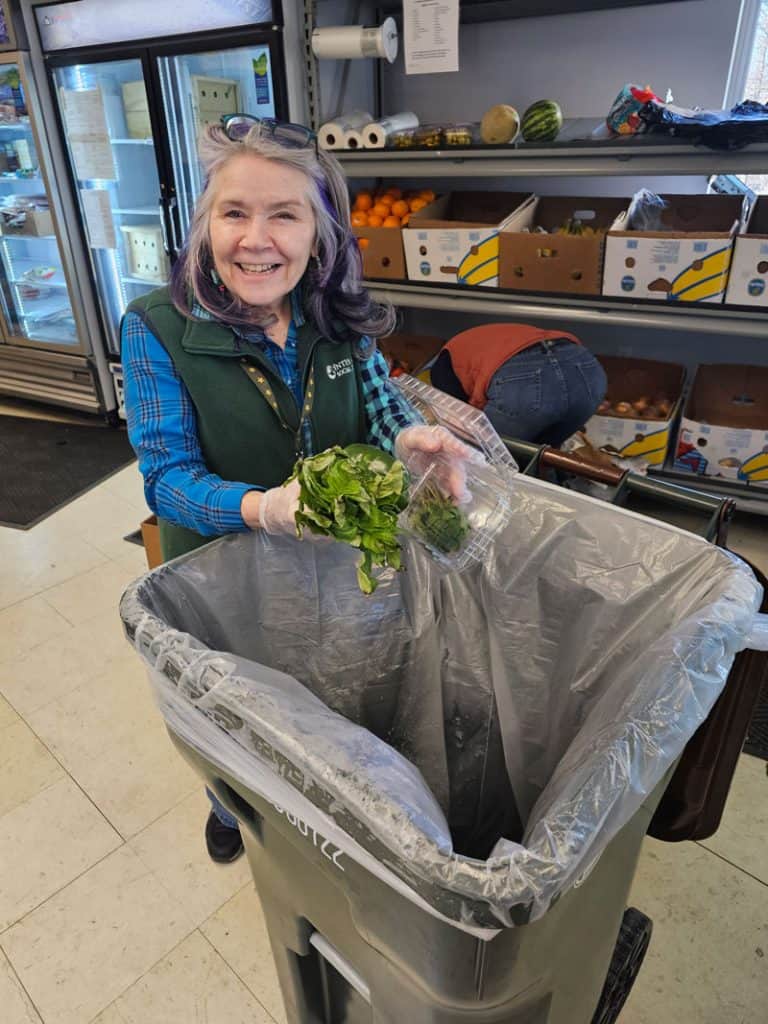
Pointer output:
x,y
355,495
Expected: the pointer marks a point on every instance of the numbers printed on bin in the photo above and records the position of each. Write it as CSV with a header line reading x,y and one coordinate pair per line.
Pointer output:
x,y
326,847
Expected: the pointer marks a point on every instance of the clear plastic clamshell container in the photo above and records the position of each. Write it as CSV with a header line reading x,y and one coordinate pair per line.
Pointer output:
x,y
458,535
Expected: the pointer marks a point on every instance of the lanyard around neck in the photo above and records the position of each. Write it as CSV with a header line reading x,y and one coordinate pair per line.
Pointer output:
x,y
258,377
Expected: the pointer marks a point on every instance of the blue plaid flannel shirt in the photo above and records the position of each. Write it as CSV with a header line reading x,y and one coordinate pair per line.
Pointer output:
x,y
162,426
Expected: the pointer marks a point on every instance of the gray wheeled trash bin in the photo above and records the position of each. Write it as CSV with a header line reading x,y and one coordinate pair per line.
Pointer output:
x,y
443,788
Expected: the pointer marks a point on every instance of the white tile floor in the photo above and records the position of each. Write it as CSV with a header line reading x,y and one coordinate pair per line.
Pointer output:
x,y
110,911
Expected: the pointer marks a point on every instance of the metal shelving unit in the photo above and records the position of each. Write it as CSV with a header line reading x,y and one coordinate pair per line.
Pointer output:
x,y
575,155
714,319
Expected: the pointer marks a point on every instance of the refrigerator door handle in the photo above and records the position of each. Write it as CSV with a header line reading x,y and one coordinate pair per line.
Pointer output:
x,y
172,216
163,228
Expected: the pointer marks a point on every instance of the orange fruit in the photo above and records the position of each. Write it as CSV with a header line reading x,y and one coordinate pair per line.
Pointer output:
x,y
417,204
374,220
359,219
428,194
391,222
386,200
363,201
381,210
404,219
400,208
363,243
397,193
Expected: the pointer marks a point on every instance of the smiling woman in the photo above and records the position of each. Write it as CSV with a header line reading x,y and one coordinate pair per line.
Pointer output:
x,y
261,242
260,352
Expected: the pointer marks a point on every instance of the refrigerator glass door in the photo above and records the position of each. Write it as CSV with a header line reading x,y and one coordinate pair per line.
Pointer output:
x,y
105,117
34,294
198,88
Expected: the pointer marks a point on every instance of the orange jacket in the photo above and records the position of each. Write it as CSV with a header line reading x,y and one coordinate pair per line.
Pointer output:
x,y
478,353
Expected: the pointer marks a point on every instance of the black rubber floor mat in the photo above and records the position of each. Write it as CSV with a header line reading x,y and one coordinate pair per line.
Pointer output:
x,y
46,464
757,738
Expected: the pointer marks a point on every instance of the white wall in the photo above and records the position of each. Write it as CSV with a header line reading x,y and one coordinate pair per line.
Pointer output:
x,y
345,85
580,60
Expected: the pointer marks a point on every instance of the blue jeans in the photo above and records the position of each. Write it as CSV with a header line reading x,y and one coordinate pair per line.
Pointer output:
x,y
221,813
546,392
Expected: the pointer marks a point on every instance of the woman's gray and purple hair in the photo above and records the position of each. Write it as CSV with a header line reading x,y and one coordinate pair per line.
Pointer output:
x,y
333,296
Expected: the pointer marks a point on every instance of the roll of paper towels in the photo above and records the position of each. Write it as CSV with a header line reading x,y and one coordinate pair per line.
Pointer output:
x,y
342,42
353,140
376,133
332,133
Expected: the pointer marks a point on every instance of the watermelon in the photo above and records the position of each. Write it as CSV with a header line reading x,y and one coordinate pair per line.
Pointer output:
x,y
542,121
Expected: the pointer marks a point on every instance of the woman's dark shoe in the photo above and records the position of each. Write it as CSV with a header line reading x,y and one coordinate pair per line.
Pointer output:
x,y
224,844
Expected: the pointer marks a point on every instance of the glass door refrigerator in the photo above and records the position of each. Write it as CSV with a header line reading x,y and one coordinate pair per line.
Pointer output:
x,y
46,352
131,92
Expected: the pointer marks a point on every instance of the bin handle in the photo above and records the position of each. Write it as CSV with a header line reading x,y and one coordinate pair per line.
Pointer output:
x,y
555,459
757,638
345,969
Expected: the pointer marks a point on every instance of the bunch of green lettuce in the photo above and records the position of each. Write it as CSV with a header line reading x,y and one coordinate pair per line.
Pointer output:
x,y
355,495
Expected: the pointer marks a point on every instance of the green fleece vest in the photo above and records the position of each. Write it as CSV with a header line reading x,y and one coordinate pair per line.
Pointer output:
x,y
248,422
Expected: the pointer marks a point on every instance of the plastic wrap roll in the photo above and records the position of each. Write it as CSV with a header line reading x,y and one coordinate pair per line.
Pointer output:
x,y
376,134
342,42
332,133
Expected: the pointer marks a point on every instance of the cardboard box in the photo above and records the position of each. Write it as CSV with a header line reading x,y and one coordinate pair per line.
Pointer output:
x,y
412,351
688,263
724,429
382,253
36,222
150,534
534,262
146,256
455,239
136,108
748,280
630,380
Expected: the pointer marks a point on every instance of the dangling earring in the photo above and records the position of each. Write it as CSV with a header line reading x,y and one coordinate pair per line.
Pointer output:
x,y
217,280
318,265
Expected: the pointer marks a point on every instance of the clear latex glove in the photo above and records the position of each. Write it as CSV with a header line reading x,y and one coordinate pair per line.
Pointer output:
x,y
420,447
277,513
278,508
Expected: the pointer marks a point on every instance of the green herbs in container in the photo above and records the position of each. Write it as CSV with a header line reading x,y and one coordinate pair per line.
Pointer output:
x,y
437,520
355,495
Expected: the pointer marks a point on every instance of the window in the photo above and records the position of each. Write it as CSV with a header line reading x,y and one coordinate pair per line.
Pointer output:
x,y
749,68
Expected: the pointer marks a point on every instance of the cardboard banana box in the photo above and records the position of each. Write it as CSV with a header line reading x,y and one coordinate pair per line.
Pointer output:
x,y
687,261
558,261
748,281
634,384
724,429
455,239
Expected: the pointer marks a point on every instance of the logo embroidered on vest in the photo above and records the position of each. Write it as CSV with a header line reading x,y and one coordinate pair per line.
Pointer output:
x,y
339,369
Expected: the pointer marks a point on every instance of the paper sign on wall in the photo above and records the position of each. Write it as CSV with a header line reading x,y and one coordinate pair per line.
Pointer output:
x,y
98,218
431,36
86,129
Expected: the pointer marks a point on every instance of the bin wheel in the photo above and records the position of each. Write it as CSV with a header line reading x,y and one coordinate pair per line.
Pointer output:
x,y
631,947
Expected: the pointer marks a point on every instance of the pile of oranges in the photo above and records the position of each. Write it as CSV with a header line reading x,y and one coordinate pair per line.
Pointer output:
x,y
388,208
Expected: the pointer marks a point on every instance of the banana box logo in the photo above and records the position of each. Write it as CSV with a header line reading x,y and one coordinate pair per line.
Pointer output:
x,y
755,469
688,456
481,263
702,280
651,447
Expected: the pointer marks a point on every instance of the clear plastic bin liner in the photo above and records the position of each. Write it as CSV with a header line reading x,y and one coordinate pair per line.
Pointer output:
x,y
581,657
